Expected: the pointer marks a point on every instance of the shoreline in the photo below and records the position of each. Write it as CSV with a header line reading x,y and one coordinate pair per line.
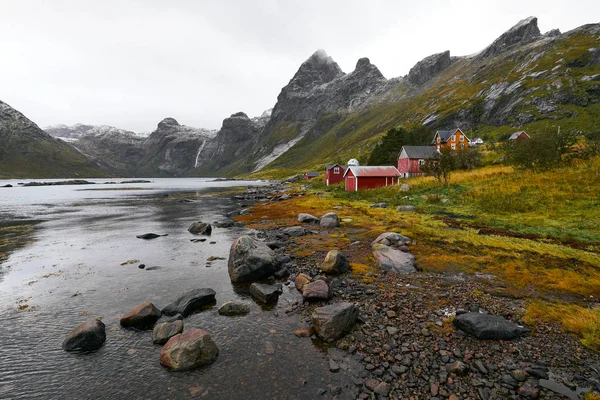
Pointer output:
x,y
404,344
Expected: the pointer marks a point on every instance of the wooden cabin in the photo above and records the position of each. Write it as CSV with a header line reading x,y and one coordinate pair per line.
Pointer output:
x,y
359,178
454,140
310,175
412,158
334,174
519,136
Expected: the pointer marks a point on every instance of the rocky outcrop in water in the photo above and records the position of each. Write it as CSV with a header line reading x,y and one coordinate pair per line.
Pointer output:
x,y
190,301
164,331
191,349
88,336
143,316
250,260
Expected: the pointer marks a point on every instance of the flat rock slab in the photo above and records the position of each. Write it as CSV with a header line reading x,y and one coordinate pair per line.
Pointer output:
x,y
191,349
329,220
314,291
307,218
191,301
88,336
266,294
295,231
334,321
164,331
142,316
232,308
200,228
250,260
392,259
488,327
559,388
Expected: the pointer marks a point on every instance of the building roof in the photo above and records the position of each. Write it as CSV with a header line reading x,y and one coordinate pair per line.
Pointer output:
x,y
516,135
328,167
372,171
420,152
311,173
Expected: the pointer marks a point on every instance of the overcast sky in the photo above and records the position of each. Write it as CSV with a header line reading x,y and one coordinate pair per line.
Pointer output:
x,y
132,63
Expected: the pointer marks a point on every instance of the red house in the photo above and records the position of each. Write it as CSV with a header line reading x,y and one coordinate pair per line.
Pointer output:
x,y
411,158
334,174
359,178
518,136
310,175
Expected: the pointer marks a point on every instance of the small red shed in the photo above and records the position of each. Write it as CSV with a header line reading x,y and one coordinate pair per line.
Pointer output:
x,y
518,136
334,174
359,178
310,175
411,158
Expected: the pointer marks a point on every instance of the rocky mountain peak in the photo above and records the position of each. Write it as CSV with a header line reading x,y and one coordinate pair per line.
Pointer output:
x,y
364,67
552,33
428,67
525,31
168,123
239,115
316,70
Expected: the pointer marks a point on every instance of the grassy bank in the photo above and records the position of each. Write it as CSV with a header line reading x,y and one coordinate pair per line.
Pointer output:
x,y
538,232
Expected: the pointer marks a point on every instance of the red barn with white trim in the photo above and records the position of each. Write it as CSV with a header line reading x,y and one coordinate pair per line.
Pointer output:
x,y
412,158
359,178
334,174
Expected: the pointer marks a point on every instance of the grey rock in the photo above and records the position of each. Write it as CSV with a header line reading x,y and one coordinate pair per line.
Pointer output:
x,y
329,220
307,218
232,308
334,321
88,336
200,228
163,331
191,349
405,187
428,67
405,208
559,388
295,231
266,294
191,301
314,291
142,316
379,205
250,260
392,259
488,327
525,31
391,239
335,263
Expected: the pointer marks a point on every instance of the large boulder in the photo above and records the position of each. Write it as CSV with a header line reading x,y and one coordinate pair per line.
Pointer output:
x,y
488,327
250,260
314,291
190,301
232,308
200,228
142,316
191,349
266,294
330,220
164,331
307,218
392,259
334,321
392,239
89,335
335,263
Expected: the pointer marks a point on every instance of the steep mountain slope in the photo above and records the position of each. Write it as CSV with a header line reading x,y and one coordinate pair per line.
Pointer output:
x,y
27,151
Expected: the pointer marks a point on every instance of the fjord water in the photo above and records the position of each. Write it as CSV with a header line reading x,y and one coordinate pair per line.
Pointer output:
x,y
81,261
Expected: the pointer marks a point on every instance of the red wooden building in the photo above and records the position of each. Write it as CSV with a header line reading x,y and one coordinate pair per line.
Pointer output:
x,y
310,175
518,136
334,174
411,158
359,178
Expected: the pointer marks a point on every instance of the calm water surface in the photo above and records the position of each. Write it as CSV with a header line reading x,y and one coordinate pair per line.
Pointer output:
x,y
70,270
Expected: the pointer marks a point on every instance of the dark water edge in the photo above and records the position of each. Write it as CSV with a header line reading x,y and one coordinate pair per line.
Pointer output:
x,y
69,270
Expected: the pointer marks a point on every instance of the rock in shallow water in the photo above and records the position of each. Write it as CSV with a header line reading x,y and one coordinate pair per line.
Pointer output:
x,y
266,294
489,327
250,260
200,228
191,349
164,331
334,321
232,308
89,335
142,316
191,301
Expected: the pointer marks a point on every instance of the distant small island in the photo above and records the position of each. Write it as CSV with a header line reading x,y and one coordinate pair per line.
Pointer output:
x,y
77,182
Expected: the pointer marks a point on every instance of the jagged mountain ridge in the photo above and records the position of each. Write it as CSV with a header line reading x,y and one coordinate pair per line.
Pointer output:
x,y
523,79
28,151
